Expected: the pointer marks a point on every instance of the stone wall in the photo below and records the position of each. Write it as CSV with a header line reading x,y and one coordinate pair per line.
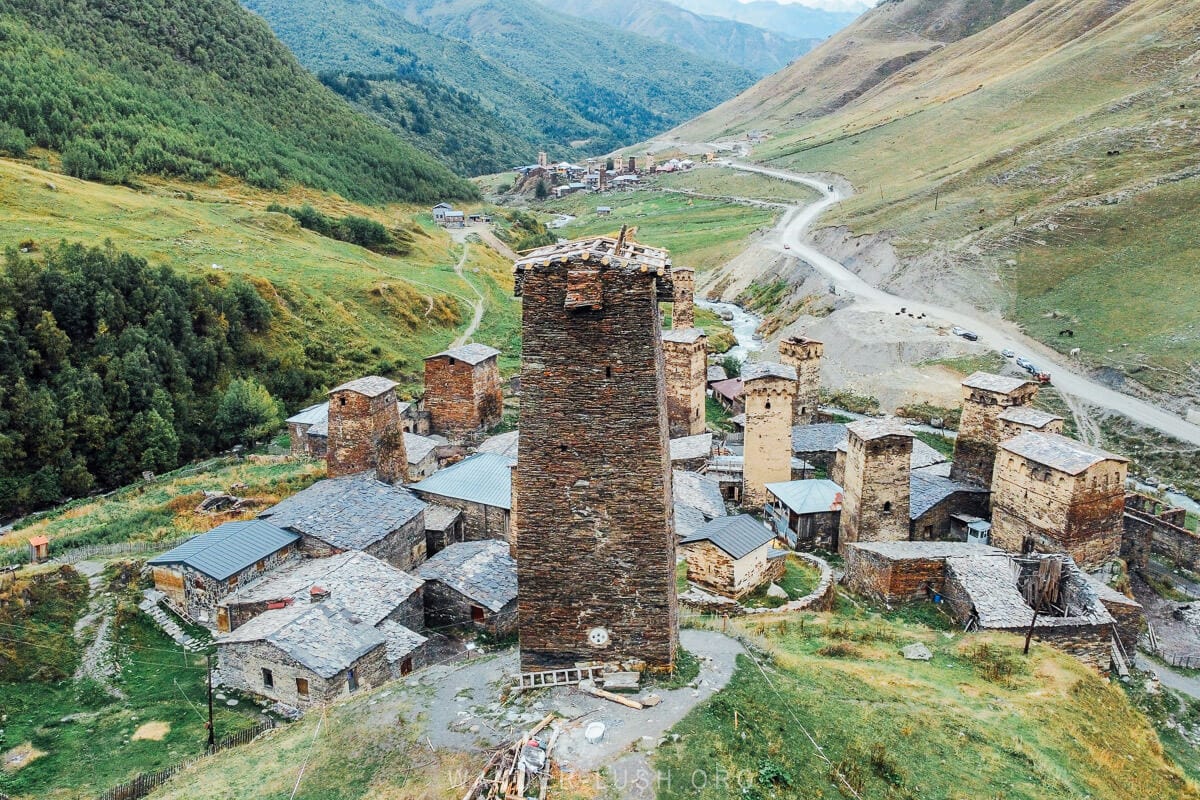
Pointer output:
x,y
1153,527
876,489
891,580
198,594
683,312
685,364
240,666
445,607
462,398
934,524
478,522
403,548
768,451
979,432
1011,430
1081,515
595,542
365,433
805,355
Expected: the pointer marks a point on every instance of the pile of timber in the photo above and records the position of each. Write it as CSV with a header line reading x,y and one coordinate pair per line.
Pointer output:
x,y
518,771
222,503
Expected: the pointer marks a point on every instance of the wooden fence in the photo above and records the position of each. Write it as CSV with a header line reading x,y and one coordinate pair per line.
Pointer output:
x,y
77,554
147,782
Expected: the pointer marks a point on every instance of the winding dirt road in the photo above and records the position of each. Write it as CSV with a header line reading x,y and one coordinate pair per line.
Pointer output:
x,y
790,235
478,304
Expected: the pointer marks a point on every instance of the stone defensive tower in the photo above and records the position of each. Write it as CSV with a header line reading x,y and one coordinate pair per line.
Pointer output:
x,y
594,537
685,357
876,483
805,355
769,390
365,430
985,397
462,390
683,312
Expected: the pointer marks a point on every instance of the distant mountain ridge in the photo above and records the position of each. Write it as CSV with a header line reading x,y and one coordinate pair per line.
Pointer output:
x,y
789,19
756,49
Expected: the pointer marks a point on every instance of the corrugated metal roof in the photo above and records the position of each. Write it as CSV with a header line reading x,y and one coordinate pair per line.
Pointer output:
x,y
229,548
484,478
483,571
370,386
351,513
927,490
473,353
738,536
1058,452
758,370
311,415
808,497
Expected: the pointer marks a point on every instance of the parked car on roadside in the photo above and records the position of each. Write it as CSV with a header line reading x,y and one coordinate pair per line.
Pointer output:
x,y
1007,353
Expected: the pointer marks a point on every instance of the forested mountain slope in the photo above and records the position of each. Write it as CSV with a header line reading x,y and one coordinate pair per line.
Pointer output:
x,y
188,89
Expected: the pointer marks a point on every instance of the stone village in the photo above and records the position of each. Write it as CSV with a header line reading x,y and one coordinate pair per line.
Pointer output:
x,y
569,532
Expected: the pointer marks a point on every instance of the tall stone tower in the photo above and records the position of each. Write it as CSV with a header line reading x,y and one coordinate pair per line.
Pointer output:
x,y
769,390
683,312
805,355
594,537
365,430
876,483
985,398
685,357
543,159
462,390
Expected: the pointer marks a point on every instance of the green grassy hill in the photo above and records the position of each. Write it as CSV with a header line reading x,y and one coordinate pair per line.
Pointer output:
x,y
760,50
1042,167
632,86
190,90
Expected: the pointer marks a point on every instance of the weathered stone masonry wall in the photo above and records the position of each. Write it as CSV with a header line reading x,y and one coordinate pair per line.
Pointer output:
x,y
462,398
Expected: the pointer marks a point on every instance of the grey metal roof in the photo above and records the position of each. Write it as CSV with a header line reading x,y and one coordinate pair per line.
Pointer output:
x,y
1028,415
416,448
473,353
228,549
715,373
351,513
823,437
927,490
683,335
738,536
1058,452
370,386
902,551
988,382
808,497
439,517
324,637
868,429
504,444
687,448
700,492
758,370
367,587
401,641
482,571
484,478
311,415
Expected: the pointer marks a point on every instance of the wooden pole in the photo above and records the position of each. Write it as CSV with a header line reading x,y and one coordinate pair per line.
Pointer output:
x,y
1029,633
212,731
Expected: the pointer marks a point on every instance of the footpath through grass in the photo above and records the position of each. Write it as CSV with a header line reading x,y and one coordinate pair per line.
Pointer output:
x,y
979,720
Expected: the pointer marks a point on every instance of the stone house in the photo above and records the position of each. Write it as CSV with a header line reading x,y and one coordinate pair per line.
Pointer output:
x,y
934,503
471,584
463,394
818,444
1056,495
902,572
303,655
732,556
1016,420
985,397
439,212
422,454
805,513
365,431
697,501
691,452
729,394
480,487
198,574
355,513
304,446
1152,526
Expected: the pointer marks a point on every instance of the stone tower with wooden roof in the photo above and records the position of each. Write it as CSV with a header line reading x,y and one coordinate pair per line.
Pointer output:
x,y
365,431
876,483
594,541
985,398
805,356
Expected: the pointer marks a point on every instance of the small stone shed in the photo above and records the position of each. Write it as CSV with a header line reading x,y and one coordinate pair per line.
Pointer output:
x,y
933,501
817,444
356,512
805,514
901,572
371,589
303,655
443,525
198,574
732,556
422,456
471,584
481,488
302,423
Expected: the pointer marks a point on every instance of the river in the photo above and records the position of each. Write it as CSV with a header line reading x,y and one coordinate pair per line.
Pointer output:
x,y
743,324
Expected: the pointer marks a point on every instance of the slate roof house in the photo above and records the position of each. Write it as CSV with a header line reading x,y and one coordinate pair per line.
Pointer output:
x,y
197,574
471,583
303,655
732,556
480,487
934,501
697,500
422,456
355,512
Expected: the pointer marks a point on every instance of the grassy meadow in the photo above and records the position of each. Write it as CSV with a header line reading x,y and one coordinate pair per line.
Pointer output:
x,y
729,182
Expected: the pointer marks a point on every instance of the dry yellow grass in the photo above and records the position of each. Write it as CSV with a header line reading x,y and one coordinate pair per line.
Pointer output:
x,y
151,731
